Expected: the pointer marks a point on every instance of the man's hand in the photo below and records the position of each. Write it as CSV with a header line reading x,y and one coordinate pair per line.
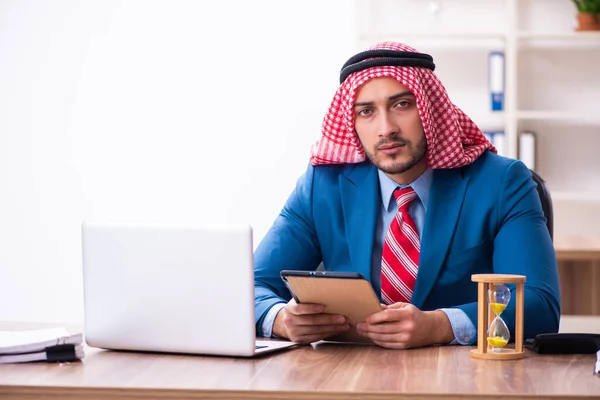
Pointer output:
x,y
306,323
404,326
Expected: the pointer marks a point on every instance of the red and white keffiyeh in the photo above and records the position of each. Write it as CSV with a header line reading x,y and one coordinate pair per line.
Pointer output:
x,y
453,139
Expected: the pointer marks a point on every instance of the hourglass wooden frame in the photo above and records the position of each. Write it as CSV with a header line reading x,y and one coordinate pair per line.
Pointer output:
x,y
486,315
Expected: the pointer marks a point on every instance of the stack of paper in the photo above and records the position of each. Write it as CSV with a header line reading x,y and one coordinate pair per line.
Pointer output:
x,y
54,344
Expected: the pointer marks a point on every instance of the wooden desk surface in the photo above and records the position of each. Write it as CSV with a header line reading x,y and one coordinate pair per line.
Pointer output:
x,y
577,248
315,372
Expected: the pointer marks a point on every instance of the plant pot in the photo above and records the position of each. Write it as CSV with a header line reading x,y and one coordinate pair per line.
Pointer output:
x,y
587,22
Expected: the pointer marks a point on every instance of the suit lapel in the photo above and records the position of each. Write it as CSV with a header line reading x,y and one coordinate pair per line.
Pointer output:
x,y
359,187
445,201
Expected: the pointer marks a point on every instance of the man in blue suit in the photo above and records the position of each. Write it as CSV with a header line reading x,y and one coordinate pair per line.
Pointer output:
x,y
405,189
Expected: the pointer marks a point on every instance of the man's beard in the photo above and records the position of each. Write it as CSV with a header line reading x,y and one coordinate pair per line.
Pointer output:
x,y
418,152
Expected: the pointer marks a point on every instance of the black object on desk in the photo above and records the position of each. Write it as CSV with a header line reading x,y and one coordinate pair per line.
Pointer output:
x,y
564,343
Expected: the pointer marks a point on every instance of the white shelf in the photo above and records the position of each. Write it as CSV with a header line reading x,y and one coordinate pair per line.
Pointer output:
x,y
468,36
575,196
545,115
439,40
592,37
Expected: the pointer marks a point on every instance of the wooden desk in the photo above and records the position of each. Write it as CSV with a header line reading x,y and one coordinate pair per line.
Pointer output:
x,y
577,248
579,273
579,324
308,372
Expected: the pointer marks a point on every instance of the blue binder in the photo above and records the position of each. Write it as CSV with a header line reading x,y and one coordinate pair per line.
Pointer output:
x,y
497,139
496,80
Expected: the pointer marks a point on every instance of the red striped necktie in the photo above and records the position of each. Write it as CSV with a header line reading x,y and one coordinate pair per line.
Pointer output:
x,y
401,250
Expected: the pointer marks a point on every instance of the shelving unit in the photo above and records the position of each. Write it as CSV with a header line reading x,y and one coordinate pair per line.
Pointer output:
x,y
552,88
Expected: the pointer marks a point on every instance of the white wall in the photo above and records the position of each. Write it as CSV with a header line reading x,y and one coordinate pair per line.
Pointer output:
x,y
186,111
166,111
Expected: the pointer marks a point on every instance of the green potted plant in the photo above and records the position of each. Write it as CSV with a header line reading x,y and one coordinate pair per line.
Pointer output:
x,y
587,15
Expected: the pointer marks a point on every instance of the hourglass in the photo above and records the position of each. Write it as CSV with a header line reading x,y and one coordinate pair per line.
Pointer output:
x,y
498,334
492,333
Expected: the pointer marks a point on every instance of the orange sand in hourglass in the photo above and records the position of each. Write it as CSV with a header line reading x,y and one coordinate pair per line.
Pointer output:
x,y
497,341
498,334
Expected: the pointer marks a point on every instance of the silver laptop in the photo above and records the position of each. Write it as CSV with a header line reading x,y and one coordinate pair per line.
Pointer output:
x,y
171,289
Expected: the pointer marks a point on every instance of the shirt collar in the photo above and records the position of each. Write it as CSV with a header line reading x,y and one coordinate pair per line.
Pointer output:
x,y
421,186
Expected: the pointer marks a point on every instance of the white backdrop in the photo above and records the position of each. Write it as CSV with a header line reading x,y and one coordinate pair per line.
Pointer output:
x,y
195,111
167,111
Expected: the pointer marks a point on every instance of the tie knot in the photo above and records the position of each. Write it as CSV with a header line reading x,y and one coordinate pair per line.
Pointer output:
x,y
404,197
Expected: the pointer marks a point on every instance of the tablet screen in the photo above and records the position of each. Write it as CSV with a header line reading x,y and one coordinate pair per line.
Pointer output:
x,y
345,293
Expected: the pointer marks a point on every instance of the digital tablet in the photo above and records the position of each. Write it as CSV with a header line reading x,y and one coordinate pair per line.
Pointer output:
x,y
344,293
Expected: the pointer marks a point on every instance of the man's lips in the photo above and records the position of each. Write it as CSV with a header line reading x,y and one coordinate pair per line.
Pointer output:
x,y
390,146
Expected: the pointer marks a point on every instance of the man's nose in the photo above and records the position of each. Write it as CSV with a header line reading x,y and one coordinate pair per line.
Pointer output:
x,y
387,126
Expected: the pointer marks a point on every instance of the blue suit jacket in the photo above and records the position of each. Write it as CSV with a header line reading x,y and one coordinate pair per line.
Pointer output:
x,y
485,217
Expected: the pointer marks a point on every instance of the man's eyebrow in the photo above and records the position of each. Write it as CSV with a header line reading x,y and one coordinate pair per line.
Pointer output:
x,y
391,98
408,93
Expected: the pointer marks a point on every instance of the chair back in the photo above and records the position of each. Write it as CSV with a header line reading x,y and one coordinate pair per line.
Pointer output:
x,y
546,200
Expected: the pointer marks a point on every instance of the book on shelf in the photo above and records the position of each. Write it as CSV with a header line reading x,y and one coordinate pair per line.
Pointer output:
x,y
496,80
527,149
53,344
497,139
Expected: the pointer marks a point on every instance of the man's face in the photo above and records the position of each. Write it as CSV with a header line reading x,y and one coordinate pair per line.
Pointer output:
x,y
389,128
